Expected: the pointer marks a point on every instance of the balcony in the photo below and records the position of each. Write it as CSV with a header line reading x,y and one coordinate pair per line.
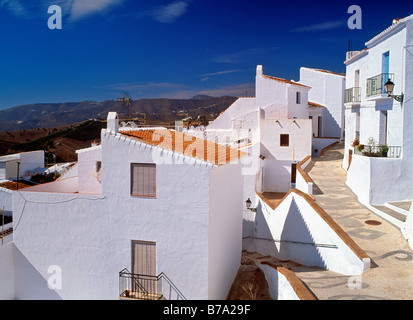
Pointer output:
x,y
147,287
353,95
375,86
378,151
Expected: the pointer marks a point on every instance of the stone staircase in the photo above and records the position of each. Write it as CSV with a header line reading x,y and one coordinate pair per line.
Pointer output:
x,y
394,212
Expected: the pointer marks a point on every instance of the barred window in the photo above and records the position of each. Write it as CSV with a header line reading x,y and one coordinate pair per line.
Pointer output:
x,y
143,180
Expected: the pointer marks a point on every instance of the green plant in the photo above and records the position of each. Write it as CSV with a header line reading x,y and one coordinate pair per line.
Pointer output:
x,y
360,147
384,148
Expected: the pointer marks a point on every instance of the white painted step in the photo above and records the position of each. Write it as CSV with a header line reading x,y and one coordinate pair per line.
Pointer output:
x,y
402,207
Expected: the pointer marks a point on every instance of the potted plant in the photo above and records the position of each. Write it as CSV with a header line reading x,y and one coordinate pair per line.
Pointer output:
x,y
360,147
384,149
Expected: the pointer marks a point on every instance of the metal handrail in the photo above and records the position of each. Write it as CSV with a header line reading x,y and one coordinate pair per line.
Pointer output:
x,y
375,85
138,278
377,151
352,95
163,275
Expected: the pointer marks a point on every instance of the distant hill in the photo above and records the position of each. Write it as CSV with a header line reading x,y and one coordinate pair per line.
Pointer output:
x,y
201,97
62,128
50,115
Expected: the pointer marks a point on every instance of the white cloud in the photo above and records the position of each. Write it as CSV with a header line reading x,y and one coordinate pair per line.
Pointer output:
x,y
244,55
321,26
169,13
15,7
73,9
218,73
83,8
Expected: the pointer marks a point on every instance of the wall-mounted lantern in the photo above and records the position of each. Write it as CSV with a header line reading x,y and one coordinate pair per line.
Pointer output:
x,y
248,204
389,86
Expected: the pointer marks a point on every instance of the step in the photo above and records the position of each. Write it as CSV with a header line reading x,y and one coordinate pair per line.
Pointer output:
x,y
402,207
392,213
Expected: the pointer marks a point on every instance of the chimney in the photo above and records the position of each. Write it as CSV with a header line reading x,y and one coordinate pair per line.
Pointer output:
x,y
94,143
113,122
259,70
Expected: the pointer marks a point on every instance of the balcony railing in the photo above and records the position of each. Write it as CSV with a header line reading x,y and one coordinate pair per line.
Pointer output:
x,y
375,85
353,95
147,287
378,151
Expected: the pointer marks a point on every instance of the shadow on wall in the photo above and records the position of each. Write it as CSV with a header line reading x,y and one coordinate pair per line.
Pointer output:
x,y
263,238
330,126
295,241
29,284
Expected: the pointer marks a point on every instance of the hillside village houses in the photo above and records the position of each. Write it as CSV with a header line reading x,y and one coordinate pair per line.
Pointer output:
x,y
378,144
159,214
154,213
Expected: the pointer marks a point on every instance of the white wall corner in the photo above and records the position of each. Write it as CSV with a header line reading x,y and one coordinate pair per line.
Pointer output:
x,y
113,122
259,70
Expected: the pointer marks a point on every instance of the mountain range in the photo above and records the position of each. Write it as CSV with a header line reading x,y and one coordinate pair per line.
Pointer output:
x,y
49,115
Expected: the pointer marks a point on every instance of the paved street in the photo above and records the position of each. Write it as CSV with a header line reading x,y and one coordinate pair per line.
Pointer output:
x,y
391,274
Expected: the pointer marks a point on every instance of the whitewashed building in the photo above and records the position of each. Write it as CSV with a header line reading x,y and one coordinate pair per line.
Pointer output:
x,y
286,122
20,164
325,106
380,169
151,202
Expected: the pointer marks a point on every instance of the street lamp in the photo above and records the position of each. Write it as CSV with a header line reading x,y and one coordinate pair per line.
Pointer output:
x,y
389,86
248,204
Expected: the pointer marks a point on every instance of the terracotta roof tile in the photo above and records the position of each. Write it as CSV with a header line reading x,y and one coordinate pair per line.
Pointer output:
x,y
286,81
186,144
313,104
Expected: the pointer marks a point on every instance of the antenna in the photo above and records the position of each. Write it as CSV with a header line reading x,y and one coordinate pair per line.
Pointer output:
x,y
127,101
350,44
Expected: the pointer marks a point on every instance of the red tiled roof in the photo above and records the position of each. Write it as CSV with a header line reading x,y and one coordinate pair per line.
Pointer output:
x,y
331,72
313,104
286,81
188,145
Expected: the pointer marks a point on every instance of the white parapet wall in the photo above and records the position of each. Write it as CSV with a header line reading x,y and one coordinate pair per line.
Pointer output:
x,y
303,182
301,231
283,284
7,272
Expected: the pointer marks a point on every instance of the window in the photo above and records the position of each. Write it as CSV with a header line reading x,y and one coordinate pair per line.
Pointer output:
x,y
284,140
143,179
298,98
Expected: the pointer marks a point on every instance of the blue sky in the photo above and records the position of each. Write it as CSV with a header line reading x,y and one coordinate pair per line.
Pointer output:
x,y
172,48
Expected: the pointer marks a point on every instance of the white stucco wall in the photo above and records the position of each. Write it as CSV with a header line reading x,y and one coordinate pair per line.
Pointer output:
x,y
377,180
278,160
5,201
293,227
327,89
301,182
278,285
241,110
30,161
89,179
8,170
6,272
69,185
89,236
225,225
397,173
